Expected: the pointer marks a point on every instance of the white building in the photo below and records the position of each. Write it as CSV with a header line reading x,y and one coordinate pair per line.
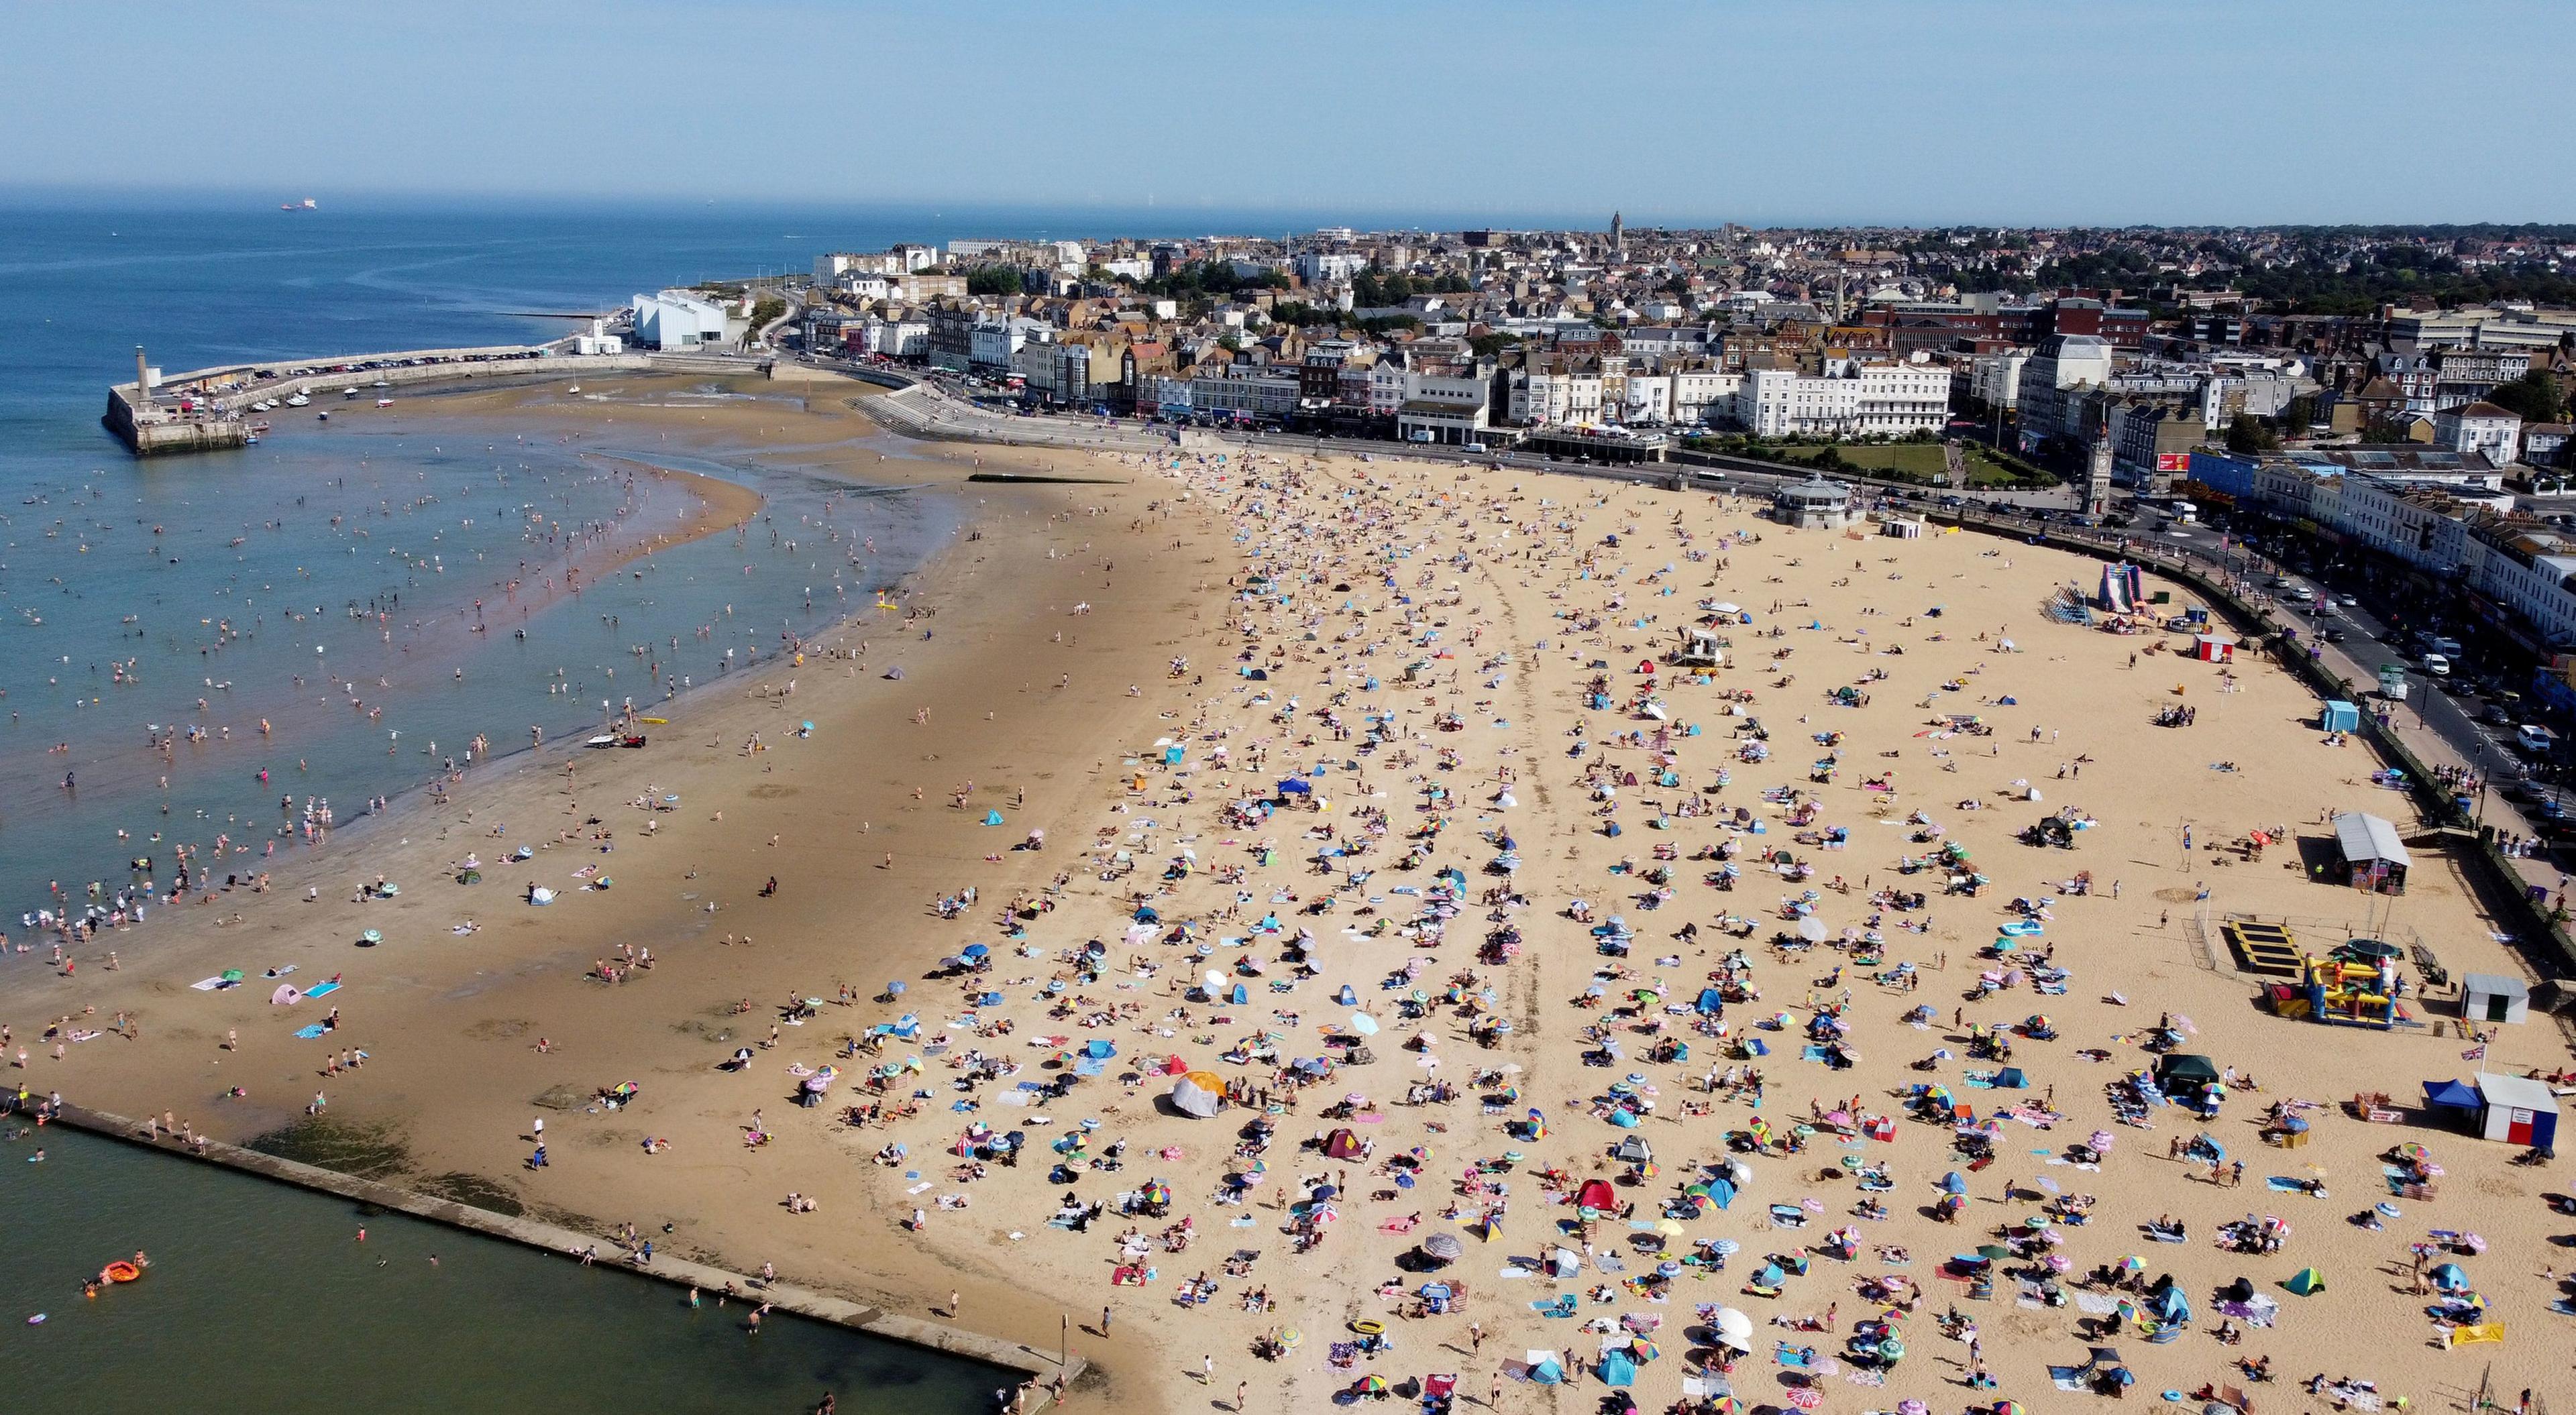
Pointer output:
x,y
1995,379
1647,398
677,319
1700,394
898,338
2479,427
1872,400
2063,365
1555,390
1328,267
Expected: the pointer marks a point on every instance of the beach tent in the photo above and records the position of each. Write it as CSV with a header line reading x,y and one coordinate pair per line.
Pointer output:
x,y
1342,1145
2448,1277
1617,1368
2185,1071
992,818
1200,1094
1632,1150
1597,1195
2455,1096
2517,1110
2170,1305
286,995
2489,997
2307,1282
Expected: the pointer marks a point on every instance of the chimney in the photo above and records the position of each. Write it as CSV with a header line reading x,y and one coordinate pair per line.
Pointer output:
x,y
142,382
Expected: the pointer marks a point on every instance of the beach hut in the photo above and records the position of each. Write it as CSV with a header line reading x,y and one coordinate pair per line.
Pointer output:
x,y
2213,648
2491,997
2373,857
2339,716
2517,1110
1699,649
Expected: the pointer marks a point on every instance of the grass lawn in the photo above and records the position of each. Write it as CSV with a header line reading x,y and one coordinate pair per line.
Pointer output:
x,y
1919,461
1985,470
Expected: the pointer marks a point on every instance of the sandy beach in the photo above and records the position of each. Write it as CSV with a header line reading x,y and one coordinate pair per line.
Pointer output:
x,y
1461,672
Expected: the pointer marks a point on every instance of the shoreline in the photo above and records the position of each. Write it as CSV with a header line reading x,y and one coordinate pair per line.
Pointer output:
x,y
940,586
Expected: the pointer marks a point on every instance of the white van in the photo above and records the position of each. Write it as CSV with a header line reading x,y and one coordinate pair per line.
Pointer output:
x,y
2535,739
2437,665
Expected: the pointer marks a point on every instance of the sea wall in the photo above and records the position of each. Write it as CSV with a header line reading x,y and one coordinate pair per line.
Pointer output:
x,y
1023,1361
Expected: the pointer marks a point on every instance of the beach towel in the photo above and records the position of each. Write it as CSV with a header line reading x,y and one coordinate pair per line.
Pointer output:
x,y
321,989
311,1033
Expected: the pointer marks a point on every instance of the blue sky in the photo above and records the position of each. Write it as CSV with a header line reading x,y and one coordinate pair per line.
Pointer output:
x,y
1786,111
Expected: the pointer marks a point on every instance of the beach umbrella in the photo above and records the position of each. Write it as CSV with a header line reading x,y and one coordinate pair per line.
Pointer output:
x,y
1954,1183
1444,1246
1993,1252
1733,1328
896,988
1726,1247
975,951
1364,1024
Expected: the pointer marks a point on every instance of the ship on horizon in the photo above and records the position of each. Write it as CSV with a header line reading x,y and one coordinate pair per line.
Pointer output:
x,y
304,205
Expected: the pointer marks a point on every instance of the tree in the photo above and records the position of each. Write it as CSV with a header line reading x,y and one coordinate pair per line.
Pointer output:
x,y
2533,397
2385,430
993,280
2247,434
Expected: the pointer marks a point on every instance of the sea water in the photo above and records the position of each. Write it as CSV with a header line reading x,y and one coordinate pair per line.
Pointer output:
x,y
260,1297
324,582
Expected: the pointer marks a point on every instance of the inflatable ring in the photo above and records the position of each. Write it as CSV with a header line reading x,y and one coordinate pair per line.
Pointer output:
x,y
121,1271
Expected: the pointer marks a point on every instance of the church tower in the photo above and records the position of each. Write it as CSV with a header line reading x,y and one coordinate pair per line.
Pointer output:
x,y
1618,235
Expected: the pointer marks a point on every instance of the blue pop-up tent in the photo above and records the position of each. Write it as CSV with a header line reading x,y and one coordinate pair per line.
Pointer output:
x,y
2451,1095
1617,1368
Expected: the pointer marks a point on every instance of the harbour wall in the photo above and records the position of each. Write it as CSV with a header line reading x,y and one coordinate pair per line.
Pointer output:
x,y
1024,1361
220,398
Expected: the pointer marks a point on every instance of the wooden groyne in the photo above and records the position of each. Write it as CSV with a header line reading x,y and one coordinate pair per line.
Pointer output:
x,y
1022,1361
